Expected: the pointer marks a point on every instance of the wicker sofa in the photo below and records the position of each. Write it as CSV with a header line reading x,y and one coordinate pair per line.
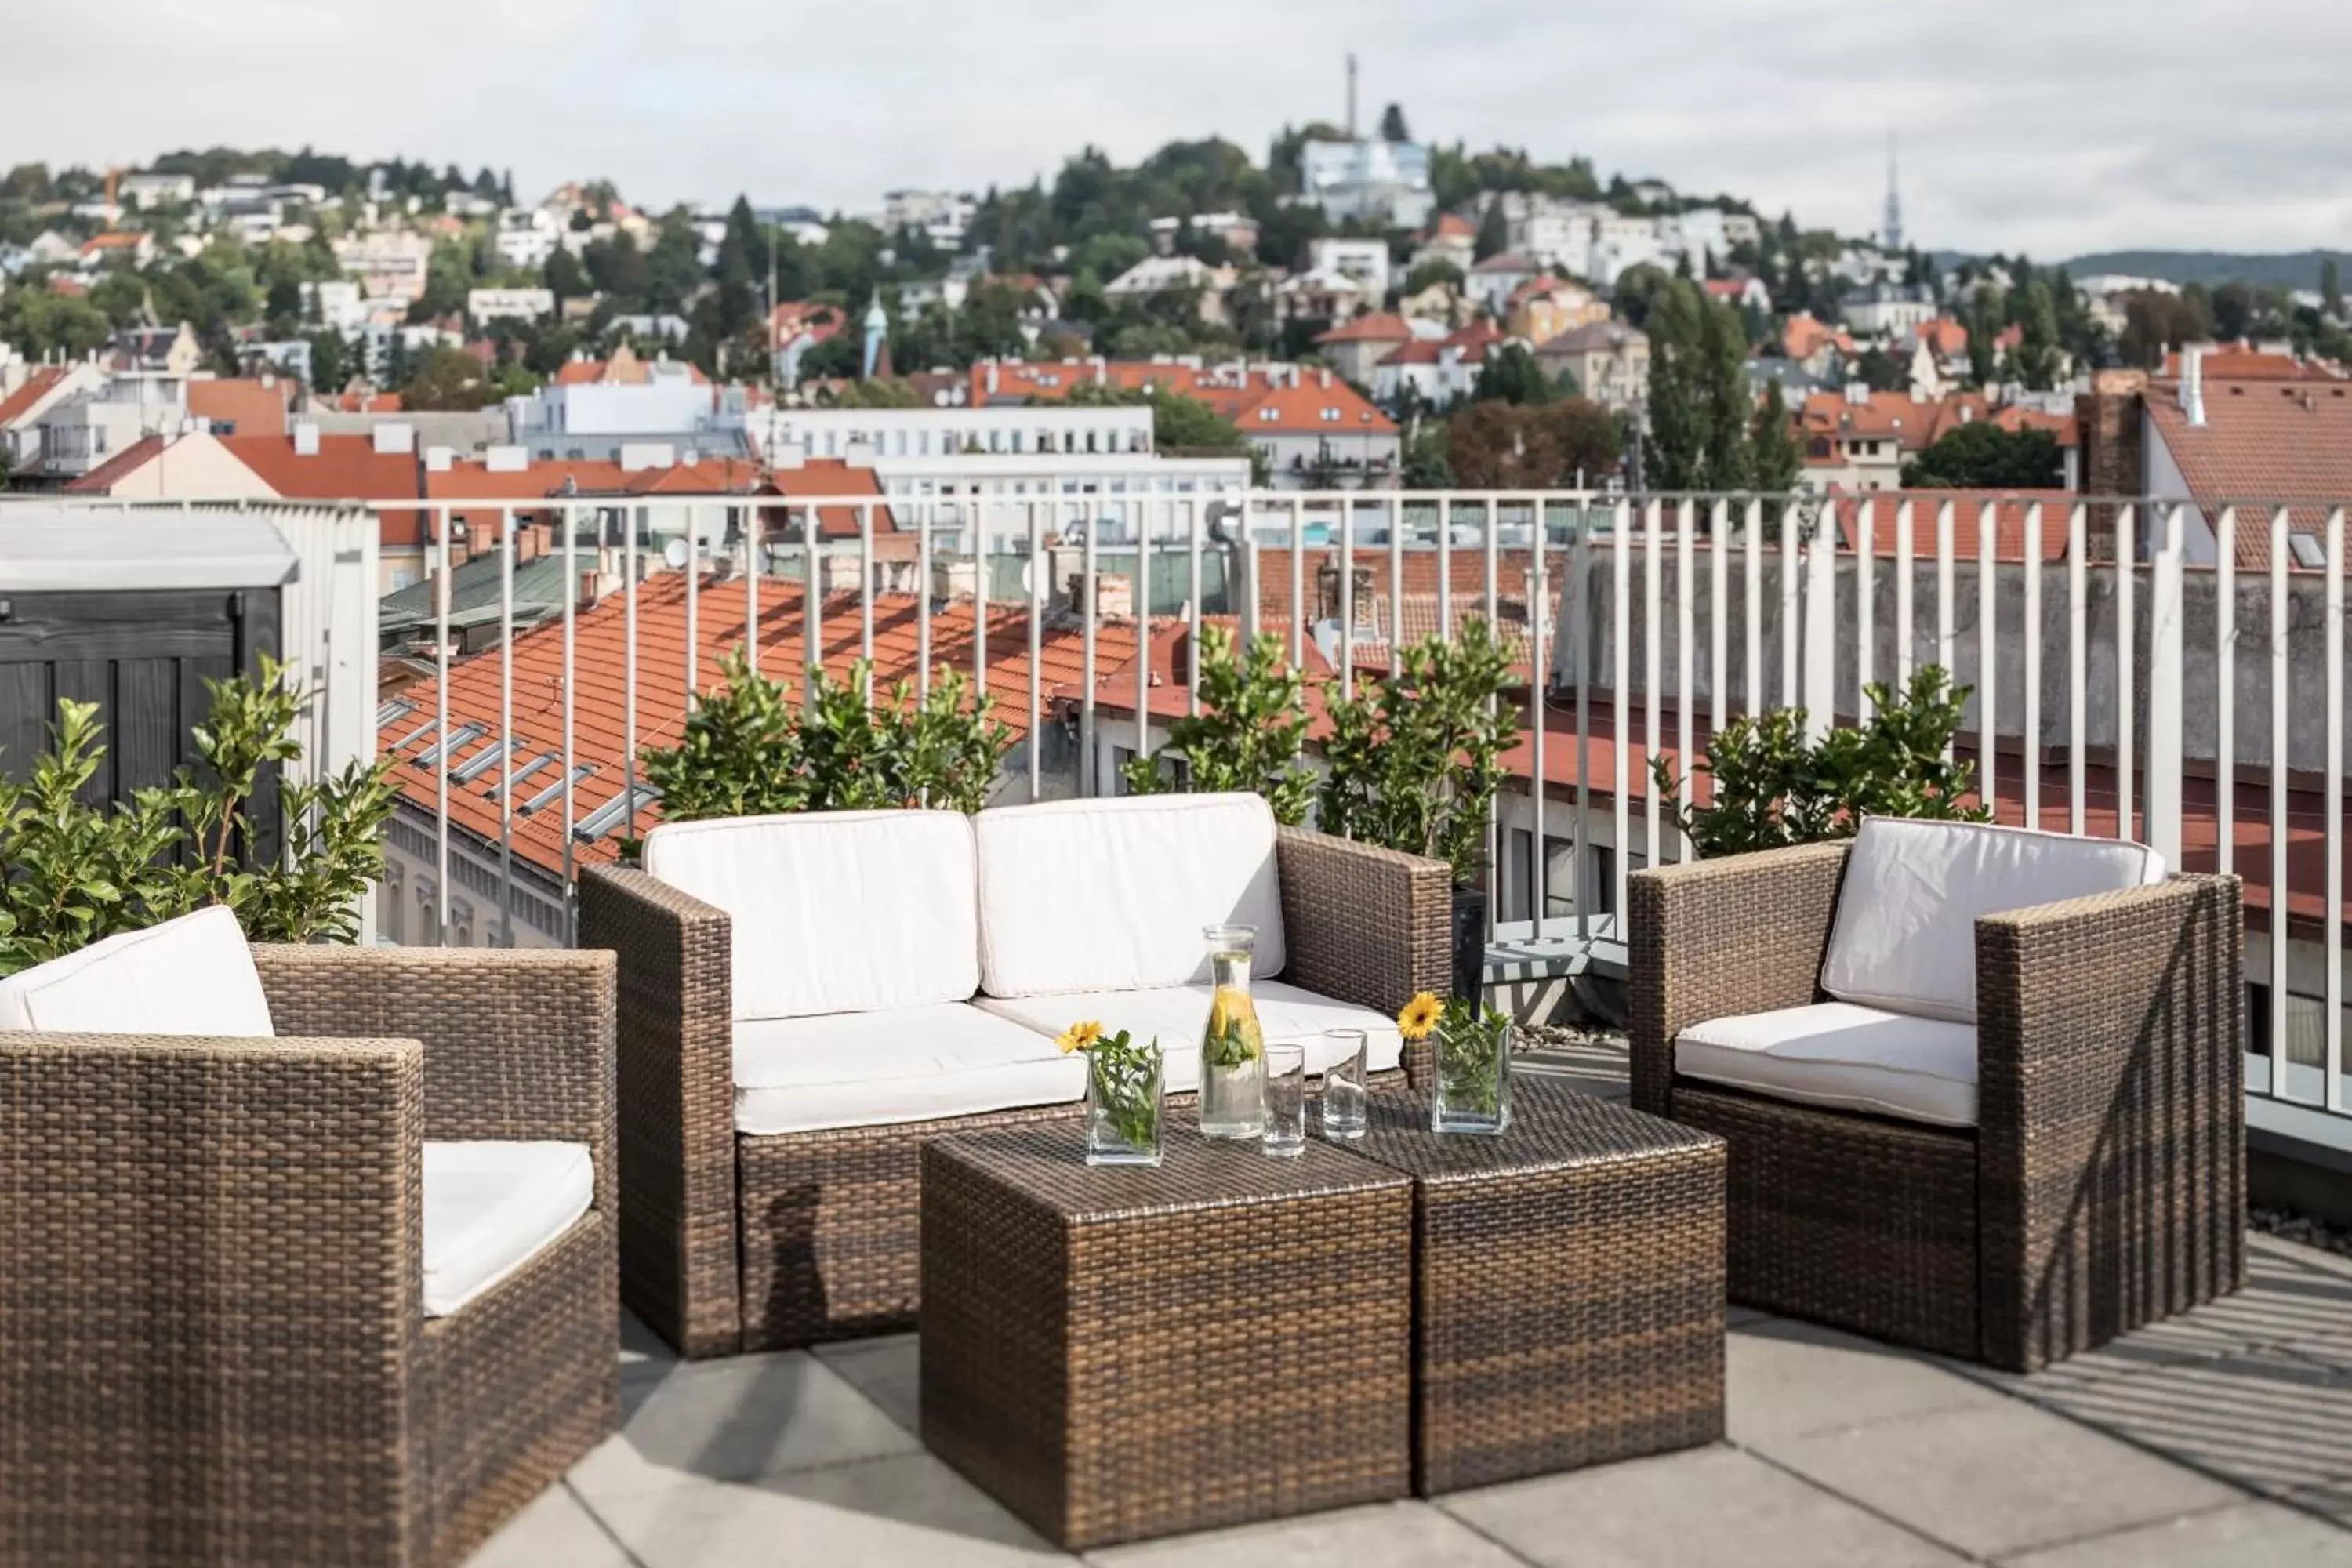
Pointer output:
x,y
1982,1088
254,1308
804,1001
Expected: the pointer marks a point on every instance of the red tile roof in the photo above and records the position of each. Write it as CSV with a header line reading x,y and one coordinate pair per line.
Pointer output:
x,y
2009,509
103,479
344,468
253,406
600,692
1453,225
1945,338
1235,392
2237,362
19,403
1803,336
2262,442
1373,326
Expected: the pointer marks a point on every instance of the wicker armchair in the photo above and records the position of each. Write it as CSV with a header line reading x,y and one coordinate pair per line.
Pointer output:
x,y
2102,1187
214,1343
734,1242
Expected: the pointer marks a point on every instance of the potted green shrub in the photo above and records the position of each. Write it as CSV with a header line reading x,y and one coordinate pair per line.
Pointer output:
x,y
1772,786
747,750
1249,734
72,872
1415,759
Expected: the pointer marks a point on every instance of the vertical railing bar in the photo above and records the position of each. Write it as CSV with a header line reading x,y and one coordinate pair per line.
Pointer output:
x,y
442,572
506,724
1037,572
1538,879
2331,856
1347,597
982,513
1946,646
2078,677
2280,674
693,608
1865,605
1490,507
1685,655
1752,586
752,525
2031,761
1090,773
1906,561
1987,659
571,612
865,596
1192,618
1719,530
1446,566
2225,695
629,662
811,599
1653,552
1620,684
2126,684
1140,603
927,515
1396,584
1579,568
1790,602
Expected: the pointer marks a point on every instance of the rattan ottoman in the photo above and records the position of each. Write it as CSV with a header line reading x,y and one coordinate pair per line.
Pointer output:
x,y
1568,1285
1118,1353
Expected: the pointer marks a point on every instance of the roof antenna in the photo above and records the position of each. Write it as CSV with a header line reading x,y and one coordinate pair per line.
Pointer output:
x,y
1352,95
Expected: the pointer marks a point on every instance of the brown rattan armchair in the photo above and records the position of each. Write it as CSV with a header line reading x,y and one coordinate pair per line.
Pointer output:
x,y
2102,1185
214,1341
734,1242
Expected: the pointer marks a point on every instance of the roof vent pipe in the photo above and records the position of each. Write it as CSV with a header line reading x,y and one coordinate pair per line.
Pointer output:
x,y
2192,385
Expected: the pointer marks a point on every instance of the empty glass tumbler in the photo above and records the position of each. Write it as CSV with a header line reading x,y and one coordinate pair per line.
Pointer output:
x,y
1344,1086
1286,1097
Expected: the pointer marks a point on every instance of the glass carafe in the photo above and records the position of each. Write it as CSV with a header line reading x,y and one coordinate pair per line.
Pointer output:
x,y
1232,1047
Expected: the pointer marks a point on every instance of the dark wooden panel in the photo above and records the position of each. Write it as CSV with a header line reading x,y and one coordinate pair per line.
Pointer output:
x,y
25,713
147,738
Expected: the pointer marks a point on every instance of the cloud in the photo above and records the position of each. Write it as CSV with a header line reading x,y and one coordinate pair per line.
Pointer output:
x,y
2051,126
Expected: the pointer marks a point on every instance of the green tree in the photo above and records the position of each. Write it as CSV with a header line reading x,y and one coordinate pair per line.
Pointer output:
x,y
2233,311
1773,453
2037,356
2331,288
448,379
1512,373
1494,233
1429,273
1729,406
1982,455
1249,733
565,276
1392,126
1676,435
1499,445
1638,288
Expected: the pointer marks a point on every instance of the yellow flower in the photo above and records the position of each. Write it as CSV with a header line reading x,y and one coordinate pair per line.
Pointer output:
x,y
1078,1036
1420,1016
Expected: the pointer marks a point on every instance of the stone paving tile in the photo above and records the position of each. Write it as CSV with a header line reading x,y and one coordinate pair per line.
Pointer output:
x,y
555,1529
908,1509
738,1419
2268,1420
1785,1378
887,1371
1714,1505
1999,1478
1386,1535
2248,1535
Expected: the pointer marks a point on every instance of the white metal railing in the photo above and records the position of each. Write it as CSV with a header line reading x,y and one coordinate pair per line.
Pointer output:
x,y
1745,602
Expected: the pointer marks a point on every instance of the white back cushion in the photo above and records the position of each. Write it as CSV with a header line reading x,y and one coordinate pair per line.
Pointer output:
x,y
835,911
1110,895
193,975
1904,937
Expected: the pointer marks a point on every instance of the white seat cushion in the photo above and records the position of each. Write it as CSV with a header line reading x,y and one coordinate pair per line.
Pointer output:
x,y
903,1063
1110,895
489,1207
193,975
1176,1012
1904,936
835,911
1839,1055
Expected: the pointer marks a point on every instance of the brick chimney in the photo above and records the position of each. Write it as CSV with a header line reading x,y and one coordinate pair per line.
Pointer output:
x,y
2111,419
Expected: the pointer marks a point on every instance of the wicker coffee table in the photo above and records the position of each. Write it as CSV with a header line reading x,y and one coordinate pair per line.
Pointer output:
x,y
1118,1353
1568,1285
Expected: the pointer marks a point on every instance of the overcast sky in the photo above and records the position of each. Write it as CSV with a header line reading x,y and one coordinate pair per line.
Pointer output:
x,y
2054,126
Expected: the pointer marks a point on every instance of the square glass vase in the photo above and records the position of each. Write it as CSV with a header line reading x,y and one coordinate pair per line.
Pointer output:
x,y
1126,1119
1470,1090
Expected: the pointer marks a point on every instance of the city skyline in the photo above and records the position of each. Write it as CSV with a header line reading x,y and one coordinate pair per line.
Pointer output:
x,y
2010,139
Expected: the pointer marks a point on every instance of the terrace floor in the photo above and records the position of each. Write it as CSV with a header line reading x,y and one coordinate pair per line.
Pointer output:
x,y
2223,1437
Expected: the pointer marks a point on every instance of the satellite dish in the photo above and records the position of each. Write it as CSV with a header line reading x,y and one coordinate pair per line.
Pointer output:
x,y
1029,578
676,552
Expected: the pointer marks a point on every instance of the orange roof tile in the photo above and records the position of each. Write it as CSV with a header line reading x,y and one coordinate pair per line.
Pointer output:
x,y
2009,510
344,468
103,479
600,709
2262,442
19,403
250,406
1373,326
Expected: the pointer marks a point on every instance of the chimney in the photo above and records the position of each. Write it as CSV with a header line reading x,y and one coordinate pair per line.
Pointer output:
x,y
306,438
1327,378
436,460
1857,391
587,600
391,438
2192,384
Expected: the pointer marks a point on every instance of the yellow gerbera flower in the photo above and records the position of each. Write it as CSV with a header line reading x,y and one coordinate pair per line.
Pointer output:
x,y
1078,1036
1420,1016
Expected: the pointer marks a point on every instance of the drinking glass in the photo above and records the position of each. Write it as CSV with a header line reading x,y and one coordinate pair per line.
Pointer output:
x,y
1286,1099
1344,1086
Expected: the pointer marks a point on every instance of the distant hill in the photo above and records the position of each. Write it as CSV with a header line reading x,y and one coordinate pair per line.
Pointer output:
x,y
2299,271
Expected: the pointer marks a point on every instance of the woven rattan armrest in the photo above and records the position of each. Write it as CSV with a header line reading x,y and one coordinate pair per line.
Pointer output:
x,y
2110,1110
680,1267
1364,924
1722,939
